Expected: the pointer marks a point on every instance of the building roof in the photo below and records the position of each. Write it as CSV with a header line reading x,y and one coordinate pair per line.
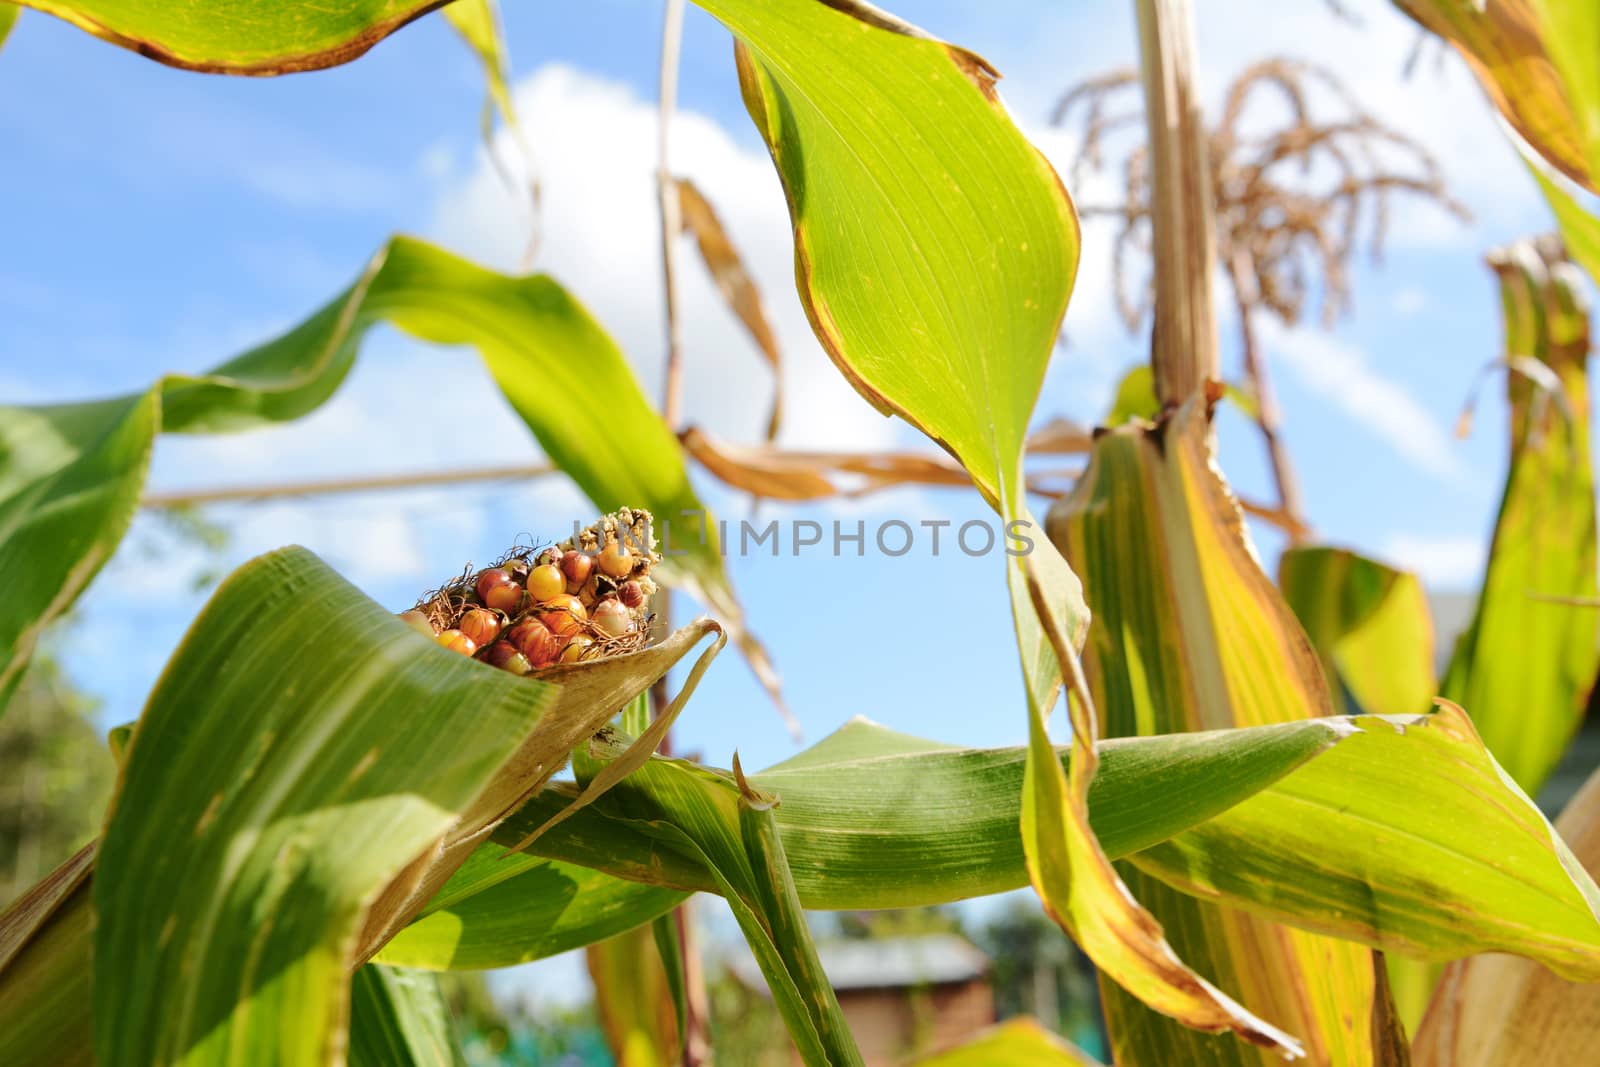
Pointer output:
x,y
886,963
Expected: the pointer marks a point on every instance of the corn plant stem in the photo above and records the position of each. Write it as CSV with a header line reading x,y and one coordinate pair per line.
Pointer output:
x,y
671,222
1267,418
1184,350
695,1044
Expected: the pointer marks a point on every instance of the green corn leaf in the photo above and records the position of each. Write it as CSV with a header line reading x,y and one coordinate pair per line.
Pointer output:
x,y
45,970
1571,37
862,805
1526,662
934,246
1580,230
70,476
859,809
1135,397
221,927
8,19
503,908
1408,837
1373,630
255,37
935,251
727,828
1500,1011
378,748
70,479
1316,823
478,23
399,1018
1370,624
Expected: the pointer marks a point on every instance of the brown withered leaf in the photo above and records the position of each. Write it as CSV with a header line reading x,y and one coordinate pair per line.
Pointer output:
x,y
734,282
792,475
783,474
1060,436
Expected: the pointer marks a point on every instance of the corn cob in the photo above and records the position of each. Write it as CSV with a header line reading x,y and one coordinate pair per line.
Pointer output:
x,y
585,598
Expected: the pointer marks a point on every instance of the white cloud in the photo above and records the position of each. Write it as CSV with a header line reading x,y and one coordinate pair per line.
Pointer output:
x,y
595,146
404,407
1445,563
1408,301
1387,409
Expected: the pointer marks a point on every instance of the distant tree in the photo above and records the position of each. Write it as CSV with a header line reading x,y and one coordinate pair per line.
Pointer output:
x,y
58,777
899,922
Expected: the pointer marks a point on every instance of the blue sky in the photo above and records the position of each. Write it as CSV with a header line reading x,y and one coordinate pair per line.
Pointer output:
x,y
160,220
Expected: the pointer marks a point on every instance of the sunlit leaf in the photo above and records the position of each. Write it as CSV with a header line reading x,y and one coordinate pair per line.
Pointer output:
x,y
1536,59
70,475
1501,1011
861,807
478,23
1189,634
1468,865
858,809
1019,1042
1135,397
935,251
1524,666
1285,820
240,38
399,1019
241,779
69,482
588,693
934,246
1580,230
733,281
8,19
1406,836
503,909
727,827
1373,630
1571,36
1369,623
